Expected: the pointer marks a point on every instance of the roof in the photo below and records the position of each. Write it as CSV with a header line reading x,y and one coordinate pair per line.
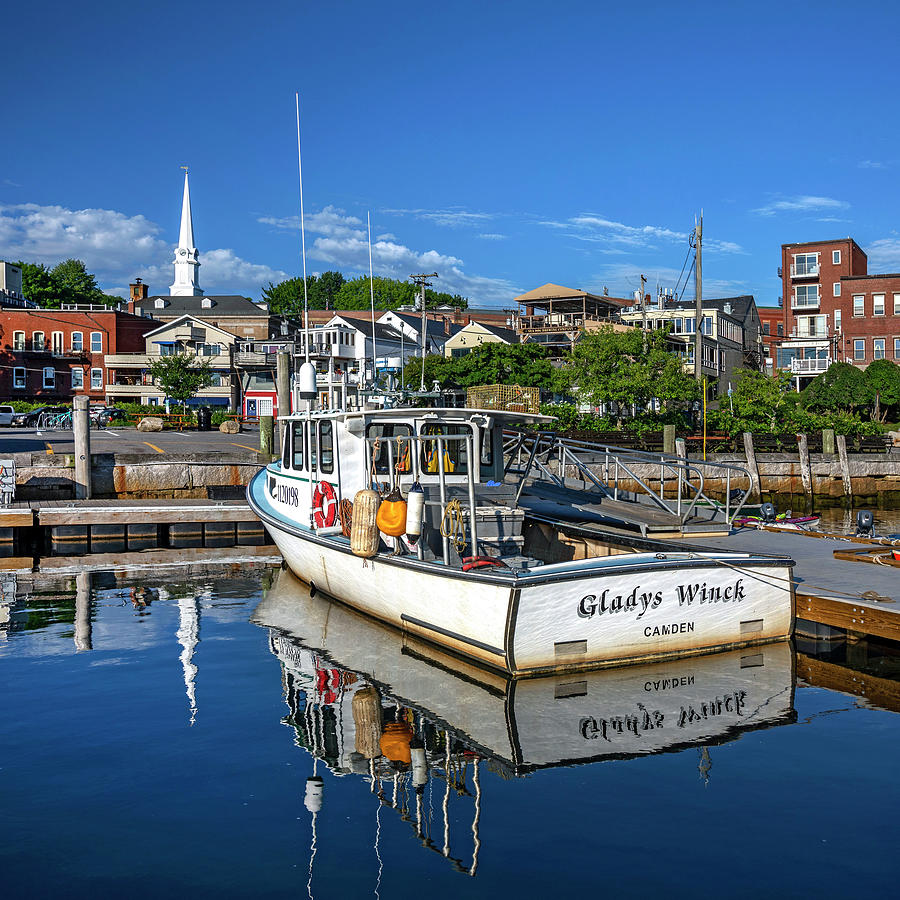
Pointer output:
x,y
222,305
741,307
821,243
433,328
864,277
551,291
505,334
166,326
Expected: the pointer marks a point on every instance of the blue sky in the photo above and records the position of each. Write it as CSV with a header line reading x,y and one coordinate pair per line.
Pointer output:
x,y
502,145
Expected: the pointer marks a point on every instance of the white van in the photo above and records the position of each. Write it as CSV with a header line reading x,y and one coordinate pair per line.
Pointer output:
x,y
6,415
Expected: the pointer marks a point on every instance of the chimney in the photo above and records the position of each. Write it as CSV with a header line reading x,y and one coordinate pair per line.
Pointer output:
x,y
138,293
446,325
457,315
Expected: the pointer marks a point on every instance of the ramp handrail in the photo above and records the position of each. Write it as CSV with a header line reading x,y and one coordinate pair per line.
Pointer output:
x,y
549,455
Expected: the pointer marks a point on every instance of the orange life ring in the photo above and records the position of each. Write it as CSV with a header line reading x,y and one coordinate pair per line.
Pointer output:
x,y
324,505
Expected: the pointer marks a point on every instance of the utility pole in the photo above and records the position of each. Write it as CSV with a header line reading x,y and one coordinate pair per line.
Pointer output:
x,y
698,316
644,308
422,282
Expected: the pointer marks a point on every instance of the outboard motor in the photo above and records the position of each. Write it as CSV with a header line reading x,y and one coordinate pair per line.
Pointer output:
x,y
767,513
865,523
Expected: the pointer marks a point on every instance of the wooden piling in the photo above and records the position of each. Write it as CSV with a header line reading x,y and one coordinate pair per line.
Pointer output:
x,y
283,386
805,469
828,441
266,436
755,484
841,442
669,439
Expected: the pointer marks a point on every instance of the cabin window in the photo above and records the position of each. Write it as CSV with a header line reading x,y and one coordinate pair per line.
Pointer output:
x,y
298,441
454,451
386,430
286,449
487,449
326,447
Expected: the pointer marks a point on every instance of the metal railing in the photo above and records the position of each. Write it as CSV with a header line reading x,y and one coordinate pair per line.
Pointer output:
x,y
809,366
674,484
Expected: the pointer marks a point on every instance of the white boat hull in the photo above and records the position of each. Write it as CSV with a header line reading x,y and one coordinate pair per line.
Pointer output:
x,y
609,611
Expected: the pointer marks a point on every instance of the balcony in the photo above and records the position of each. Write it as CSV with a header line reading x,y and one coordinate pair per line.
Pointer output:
x,y
812,333
810,366
805,302
805,270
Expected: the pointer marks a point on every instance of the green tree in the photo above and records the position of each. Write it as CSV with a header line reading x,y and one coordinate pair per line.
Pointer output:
x,y
883,379
759,403
72,278
181,375
841,387
286,297
609,366
37,285
527,365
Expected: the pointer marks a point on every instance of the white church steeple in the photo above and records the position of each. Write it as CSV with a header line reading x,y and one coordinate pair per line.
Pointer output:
x,y
187,259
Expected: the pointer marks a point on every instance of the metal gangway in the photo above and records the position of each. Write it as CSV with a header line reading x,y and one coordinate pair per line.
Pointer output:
x,y
674,485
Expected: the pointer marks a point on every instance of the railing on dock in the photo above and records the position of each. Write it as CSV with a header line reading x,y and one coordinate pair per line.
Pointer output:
x,y
673,483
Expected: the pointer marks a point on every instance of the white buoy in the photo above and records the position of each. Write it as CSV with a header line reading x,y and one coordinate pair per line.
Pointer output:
x,y
307,381
314,789
418,763
415,504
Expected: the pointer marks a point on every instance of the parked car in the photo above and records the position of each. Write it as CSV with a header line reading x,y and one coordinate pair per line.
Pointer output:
x,y
111,414
30,419
7,414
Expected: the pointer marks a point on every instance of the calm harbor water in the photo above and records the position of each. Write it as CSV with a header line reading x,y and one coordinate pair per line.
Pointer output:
x,y
161,730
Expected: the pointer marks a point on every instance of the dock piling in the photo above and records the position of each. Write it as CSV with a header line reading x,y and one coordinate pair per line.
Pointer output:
x,y
841,442
81,424
755,484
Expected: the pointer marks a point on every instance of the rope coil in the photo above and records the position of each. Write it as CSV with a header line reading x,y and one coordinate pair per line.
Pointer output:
x,y
452,526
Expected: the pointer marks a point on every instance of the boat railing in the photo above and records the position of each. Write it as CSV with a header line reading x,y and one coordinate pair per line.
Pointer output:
x,y
438,442
673,483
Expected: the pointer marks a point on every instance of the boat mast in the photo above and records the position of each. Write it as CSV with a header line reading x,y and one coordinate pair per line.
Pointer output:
x,y
302,237
372,299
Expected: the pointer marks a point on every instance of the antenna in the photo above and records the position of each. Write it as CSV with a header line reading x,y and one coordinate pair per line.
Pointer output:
x,y
372,298
302,237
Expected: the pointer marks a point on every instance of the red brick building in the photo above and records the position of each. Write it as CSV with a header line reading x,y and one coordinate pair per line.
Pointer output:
x,y
56,354
834,310
771,320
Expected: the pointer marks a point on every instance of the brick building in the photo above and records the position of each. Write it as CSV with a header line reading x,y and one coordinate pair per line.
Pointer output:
x,y
56,354
834,309
771,320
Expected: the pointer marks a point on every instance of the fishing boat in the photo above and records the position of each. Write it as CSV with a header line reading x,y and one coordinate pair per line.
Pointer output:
x,y
411,515
436,544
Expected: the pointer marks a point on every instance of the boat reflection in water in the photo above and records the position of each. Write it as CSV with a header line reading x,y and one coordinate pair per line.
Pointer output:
x,y
367,699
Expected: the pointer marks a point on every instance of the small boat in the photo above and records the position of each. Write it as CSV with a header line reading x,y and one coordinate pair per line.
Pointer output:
x,y
443,550
782,520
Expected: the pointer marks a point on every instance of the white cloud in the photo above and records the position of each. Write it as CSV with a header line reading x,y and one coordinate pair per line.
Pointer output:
x,y
872,164
597,229
723,247
884,254
117,247
492,236
801,204
342,242
454,217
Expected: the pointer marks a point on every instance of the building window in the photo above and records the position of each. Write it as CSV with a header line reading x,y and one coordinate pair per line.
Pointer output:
x,y
781,329
836,257
77,379
96,342
766,328
897,304
56,342
49,377
836,289
159,304
706,325
877,304
166,349
37,340
806,295
878,348
805,264
859,349
96,379
77,341
837,320
859,304
896,348
208,349
18,340
19,378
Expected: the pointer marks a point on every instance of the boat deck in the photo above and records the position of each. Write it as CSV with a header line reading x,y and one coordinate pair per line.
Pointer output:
x,y
648,519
